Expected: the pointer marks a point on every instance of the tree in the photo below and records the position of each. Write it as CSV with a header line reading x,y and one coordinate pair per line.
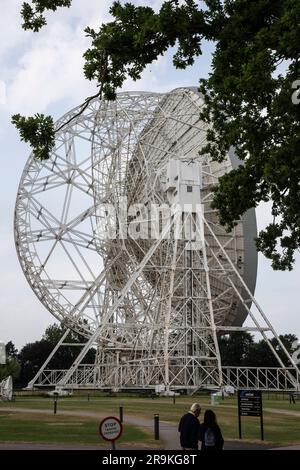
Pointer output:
x,y
33,355
235,348
12,366
34,18
11,350
262,356
239,349
248,99
66,355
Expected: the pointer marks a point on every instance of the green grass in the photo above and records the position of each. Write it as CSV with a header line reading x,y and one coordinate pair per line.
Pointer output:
x,y
282,405
42,428
279,429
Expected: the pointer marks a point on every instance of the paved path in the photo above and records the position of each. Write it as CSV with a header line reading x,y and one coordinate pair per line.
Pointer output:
x,y
168,432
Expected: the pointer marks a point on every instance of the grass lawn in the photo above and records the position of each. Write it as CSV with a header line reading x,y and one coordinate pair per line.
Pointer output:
x,y
279,429
42,428
282,405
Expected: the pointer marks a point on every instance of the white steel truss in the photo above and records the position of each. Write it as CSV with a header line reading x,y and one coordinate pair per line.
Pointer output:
x,y
153,305
256,378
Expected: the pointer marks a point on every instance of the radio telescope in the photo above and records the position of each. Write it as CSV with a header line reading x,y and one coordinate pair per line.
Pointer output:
x,y
116,236
6,389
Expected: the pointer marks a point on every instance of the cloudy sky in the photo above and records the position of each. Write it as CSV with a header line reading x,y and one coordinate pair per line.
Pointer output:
x,y
43,73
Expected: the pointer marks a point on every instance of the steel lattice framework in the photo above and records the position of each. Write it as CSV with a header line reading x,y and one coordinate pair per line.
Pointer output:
x,y
153,305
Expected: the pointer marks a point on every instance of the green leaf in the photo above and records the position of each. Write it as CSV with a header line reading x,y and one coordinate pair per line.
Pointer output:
x,y
38,130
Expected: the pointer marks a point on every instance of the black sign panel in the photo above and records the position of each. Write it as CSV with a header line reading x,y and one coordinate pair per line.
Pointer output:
x,y
250,403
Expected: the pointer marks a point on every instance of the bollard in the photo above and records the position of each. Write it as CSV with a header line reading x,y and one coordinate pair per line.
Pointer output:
x,y
174,399
156,427
88,397
55,405
121,414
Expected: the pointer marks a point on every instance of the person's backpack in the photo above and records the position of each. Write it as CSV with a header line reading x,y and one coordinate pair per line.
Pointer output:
x,y
209,438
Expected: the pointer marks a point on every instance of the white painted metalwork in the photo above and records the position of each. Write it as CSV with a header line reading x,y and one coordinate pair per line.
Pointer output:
x,y
52,354
259,378
108,252
6,389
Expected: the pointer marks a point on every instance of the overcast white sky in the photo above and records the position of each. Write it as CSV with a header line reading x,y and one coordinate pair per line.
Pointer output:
x,y
43,73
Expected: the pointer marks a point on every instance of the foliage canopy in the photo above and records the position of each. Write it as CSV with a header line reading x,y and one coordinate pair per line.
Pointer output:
x,y
248,95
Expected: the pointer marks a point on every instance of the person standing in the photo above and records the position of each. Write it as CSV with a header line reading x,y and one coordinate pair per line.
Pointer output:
x,y
210,432
292,398
189,427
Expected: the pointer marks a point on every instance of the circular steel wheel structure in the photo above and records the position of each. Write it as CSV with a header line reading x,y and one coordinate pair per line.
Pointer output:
x,y
106,251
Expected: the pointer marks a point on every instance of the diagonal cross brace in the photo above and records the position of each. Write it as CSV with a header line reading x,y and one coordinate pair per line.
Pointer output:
x,y
255,303
118,302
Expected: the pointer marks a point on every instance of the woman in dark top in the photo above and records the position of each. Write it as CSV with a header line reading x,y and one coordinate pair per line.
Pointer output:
x,y
210,433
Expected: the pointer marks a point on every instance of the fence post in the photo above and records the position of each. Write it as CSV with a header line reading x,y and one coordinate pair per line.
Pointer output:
x,y
156,427
55,405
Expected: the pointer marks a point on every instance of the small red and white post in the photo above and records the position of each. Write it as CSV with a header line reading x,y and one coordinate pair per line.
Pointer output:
x,y
110,429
